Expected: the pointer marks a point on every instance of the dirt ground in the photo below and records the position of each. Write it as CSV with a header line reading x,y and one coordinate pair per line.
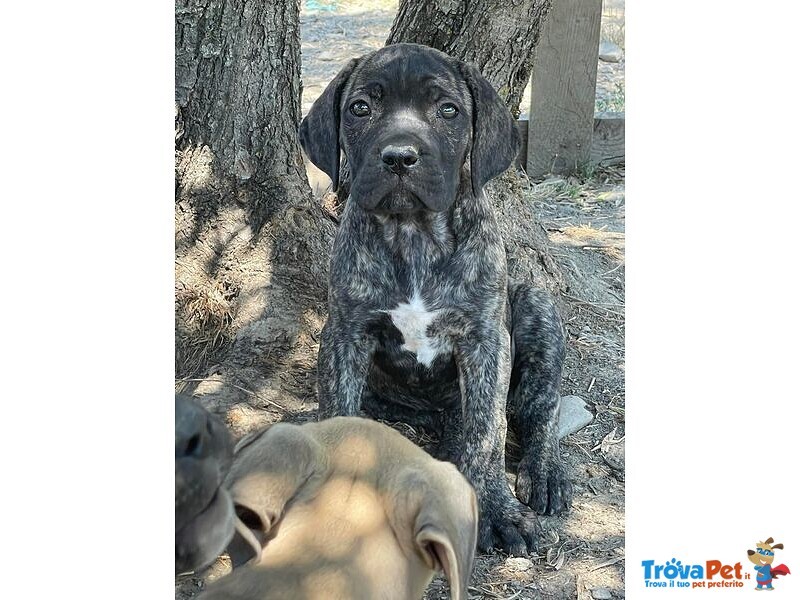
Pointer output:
x,y
583,553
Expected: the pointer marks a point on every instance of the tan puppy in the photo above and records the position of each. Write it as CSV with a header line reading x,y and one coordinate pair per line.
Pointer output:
x,y
346,508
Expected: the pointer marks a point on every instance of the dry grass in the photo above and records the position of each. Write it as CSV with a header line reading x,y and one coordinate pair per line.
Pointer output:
x,y
612,23
590,183
204,313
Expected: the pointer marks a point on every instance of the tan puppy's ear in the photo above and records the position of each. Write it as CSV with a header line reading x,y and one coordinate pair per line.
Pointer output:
x,y
267,471
250,536
769,540
779,546
443,554
447,529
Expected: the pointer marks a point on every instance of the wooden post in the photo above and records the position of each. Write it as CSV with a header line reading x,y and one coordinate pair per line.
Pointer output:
x,y
608,142
563,88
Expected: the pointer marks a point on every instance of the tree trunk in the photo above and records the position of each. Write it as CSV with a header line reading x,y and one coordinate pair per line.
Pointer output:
x,y
251,245
498,36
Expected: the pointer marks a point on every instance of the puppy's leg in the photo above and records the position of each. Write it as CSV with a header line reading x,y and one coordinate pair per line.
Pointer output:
x,y
542,480
483,360
450,428
345,353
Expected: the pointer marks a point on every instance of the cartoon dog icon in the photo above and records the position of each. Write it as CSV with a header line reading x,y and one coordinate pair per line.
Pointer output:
x,y
762,558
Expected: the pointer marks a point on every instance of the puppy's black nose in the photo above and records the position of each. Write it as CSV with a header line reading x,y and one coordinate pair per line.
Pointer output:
x,y
399,158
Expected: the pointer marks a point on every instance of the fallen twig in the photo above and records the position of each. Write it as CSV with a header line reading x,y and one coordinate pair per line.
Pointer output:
x,y
608,563
240,388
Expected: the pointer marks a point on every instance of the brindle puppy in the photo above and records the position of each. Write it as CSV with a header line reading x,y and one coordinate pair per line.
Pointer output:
x,y
424,325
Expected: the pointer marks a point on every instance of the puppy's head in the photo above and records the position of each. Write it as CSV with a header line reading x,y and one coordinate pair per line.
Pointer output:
x,y
204,519
764,554
410,120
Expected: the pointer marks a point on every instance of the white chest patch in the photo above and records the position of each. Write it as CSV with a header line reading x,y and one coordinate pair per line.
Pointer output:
x,y
412,319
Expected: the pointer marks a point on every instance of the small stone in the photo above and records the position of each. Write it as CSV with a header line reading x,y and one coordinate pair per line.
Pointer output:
x,y
614,455
616,197
518,564
573,415
601,594
610,52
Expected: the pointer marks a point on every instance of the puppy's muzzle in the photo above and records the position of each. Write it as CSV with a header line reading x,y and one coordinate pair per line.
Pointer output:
x,y
399,159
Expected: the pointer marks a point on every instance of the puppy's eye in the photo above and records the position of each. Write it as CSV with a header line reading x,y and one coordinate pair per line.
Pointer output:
x,y
448,110
360,108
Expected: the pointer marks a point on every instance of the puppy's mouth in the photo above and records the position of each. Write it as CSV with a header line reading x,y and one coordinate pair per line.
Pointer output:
x,y
378,191
399,200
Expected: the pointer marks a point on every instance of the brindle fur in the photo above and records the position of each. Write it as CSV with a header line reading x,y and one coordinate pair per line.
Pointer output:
x,y
429,231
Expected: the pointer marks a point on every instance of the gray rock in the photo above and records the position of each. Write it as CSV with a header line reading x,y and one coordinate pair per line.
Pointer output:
x,y
610,52
573,415
601,594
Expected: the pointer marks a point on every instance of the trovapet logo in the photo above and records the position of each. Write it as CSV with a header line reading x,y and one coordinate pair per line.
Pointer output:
x,y
711,573
717,574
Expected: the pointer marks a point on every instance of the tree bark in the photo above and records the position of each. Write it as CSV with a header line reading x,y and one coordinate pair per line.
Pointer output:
x,y
498,36
251,245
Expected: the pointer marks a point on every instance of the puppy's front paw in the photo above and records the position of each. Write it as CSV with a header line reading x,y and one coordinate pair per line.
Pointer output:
x,y
543,484
506,523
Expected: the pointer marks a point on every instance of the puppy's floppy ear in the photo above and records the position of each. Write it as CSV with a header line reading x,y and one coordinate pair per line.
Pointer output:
x,y
250,536
447,530
319,130
495,139
257,510
268,470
